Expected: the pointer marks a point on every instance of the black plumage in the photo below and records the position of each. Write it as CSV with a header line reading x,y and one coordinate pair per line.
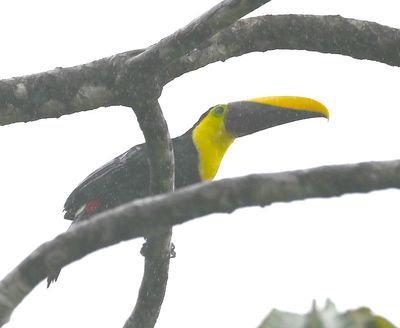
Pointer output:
x,y
126,178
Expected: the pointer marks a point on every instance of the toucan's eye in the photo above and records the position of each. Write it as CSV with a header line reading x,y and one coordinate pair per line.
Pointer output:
x,y
219,110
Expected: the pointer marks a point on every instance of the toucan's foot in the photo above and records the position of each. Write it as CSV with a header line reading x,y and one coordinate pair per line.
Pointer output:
x,y
145,249
52,277
173,253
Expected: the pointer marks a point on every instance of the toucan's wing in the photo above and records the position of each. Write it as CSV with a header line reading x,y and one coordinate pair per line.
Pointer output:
x,y
124,178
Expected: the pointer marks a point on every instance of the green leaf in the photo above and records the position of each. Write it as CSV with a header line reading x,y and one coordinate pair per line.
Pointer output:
x,y
328,317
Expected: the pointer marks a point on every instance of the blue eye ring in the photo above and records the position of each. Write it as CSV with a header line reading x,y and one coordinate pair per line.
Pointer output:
x,y
219,110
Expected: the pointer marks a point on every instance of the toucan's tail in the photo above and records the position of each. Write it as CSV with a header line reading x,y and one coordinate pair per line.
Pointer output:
x,y
54,272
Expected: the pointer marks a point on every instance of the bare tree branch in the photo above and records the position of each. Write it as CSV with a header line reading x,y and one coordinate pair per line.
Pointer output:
x,y
60,91
145,216
217,18
146,68
154,282
85,87
136,78
326,34
158,245
159,145
110,81
139,76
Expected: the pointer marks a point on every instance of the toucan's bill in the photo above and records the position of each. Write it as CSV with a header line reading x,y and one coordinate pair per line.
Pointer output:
x,y
247,117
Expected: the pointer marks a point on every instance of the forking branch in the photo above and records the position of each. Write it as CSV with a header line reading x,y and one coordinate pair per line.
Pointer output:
x,y
115,80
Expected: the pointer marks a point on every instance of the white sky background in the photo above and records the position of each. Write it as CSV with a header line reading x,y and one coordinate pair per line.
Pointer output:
x,y
231,270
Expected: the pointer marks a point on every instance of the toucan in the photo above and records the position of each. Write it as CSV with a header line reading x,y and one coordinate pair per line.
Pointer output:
x,y
198,153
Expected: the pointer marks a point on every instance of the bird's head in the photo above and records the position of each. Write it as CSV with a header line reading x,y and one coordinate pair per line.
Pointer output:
x,y
221,124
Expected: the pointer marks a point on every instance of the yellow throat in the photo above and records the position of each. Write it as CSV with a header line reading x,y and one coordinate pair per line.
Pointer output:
x,y
212,141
